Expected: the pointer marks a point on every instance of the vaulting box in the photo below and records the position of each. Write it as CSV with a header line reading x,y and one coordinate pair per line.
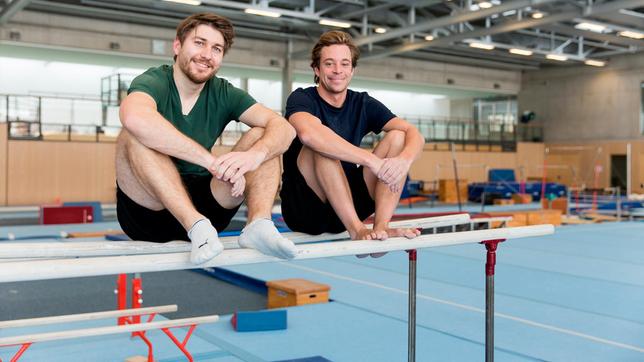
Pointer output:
x,y
447,190
522,198
547,216
292,292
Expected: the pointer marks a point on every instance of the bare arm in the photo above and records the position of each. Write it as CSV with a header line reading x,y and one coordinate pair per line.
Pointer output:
x,y
278,133
321,139
138,114
277,136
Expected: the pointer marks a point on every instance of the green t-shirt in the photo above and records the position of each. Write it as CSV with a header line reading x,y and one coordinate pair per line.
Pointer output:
x,y
219,102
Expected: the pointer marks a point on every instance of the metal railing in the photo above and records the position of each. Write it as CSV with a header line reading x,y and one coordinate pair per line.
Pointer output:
x,y
65,118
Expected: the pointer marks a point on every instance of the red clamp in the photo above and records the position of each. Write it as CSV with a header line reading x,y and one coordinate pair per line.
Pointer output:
x,y
491,245
413,255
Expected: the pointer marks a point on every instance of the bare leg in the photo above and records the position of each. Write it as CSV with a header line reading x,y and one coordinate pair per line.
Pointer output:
x,y
386,200
261,187
151,180
326,178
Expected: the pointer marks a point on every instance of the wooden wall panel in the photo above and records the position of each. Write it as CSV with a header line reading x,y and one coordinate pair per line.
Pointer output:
x,y
3,164
585,156
41,172
472,166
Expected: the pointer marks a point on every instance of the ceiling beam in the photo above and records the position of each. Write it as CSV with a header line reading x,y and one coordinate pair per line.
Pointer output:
x,y
388,5
508,26
11,9
566,30
449,20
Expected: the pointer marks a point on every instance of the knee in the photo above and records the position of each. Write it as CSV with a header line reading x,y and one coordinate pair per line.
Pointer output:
x,y
127,142
395,140
253,135
319,158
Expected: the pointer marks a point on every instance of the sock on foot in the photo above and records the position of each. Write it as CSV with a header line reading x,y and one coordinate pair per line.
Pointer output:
x,y
262,235
205,242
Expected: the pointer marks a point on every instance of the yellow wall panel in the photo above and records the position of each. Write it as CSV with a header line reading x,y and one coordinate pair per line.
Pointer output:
x,y
42,172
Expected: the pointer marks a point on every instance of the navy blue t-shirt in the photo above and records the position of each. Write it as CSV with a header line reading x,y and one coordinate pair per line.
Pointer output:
x,y
359,115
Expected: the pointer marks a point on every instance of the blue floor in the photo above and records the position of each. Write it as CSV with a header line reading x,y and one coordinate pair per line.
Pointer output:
x,y
577,295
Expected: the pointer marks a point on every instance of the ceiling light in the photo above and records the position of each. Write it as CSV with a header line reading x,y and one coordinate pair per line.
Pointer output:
x,y
486,46
429,37
270,14
537,15
474,7
631,34
485,4
518,51
380,30
558,57
188,2
509,12
594,27
338,24
595,63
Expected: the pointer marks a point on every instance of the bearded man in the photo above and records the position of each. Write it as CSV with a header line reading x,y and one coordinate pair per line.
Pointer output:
x,y
170,184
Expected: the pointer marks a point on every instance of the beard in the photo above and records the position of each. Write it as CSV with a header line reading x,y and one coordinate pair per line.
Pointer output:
x,y
194,75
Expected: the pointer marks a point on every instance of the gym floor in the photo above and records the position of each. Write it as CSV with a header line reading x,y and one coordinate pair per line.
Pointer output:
x,y
576,295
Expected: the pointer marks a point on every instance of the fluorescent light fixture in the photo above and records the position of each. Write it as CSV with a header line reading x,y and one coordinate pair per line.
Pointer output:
x,y
509,13
478,45
338,24
537,15
558,57
268,13
380,30
429,37
594,27
187,2
595,63
485,4
474,7
518,51
631,34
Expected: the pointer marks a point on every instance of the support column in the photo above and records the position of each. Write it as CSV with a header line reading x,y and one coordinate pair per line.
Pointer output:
x,y
287,74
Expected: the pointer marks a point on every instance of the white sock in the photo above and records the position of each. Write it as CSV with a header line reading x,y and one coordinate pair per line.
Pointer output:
x,y
262,235
205,242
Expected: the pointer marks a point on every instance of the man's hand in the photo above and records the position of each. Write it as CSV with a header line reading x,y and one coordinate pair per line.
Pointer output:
x,y
393,171
238,187
232,166
375,165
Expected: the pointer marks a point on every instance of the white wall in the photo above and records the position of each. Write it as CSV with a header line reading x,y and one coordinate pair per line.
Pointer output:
x,y
587,103
74,80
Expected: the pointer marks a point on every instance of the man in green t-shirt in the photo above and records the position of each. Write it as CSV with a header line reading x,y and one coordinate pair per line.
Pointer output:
x,y
171,186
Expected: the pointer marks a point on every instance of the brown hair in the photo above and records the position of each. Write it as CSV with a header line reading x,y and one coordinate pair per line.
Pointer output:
x,y
219,23
333,37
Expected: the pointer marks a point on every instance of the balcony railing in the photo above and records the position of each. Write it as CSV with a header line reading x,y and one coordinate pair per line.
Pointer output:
x,y
28,118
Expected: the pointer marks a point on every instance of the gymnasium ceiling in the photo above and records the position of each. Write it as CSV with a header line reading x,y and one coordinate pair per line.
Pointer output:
x,y
539,32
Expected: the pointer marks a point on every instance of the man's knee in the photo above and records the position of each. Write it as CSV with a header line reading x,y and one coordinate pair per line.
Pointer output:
x,y
249,138
395,139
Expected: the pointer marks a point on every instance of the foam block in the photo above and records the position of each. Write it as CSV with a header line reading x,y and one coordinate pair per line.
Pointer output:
x,y
117,237
263,320
66,214
96,208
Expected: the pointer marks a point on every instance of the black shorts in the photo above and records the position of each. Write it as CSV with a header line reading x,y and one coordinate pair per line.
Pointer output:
x,y
303,210
141,223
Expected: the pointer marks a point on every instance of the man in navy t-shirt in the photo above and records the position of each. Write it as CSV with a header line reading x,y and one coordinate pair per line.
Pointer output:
x,y
330,184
